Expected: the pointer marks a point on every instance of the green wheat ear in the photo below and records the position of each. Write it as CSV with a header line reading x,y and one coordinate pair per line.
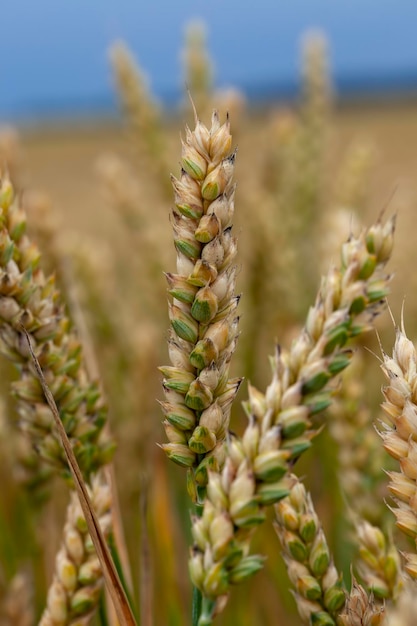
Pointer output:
x,y
202,309
255,473
30,299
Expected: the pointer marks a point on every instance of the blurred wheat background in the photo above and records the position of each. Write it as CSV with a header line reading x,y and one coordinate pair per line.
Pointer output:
x,y
310,170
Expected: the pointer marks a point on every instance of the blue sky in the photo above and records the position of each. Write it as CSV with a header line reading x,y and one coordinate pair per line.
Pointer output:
x,y
54,52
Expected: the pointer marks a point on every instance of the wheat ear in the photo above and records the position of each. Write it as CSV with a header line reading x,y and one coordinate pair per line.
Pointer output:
x,y
203,318
319,590
198,67
399,435
30,300
74,592
378,563
280,426
141,112
16,607
403,613
361,609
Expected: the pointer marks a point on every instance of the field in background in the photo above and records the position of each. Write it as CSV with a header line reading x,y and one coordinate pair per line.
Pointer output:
x,y
62,162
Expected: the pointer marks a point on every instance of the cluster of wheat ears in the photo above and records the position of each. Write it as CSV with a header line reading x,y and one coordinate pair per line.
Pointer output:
x,y
235,483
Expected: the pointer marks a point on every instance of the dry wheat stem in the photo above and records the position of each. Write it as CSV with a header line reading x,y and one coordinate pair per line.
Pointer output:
x,y
93,524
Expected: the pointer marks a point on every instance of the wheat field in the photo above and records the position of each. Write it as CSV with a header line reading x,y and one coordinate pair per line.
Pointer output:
x,y
311,175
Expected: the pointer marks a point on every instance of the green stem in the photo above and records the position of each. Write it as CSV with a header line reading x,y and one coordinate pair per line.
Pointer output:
x,y
116,558
206,618
197,596
197,603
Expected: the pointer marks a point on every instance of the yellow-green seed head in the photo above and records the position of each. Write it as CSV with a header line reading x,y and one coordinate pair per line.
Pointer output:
x,y
212,418
203,273
208,228
220,141
204,353
221,533
84,600
199,396
205,305
247,567
184,325
179,453
319,558
6,192
334,598
215,182
174,435
179,416
89,571
196,569
193,162
66,571
216,492
202,440
187,196
216,581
